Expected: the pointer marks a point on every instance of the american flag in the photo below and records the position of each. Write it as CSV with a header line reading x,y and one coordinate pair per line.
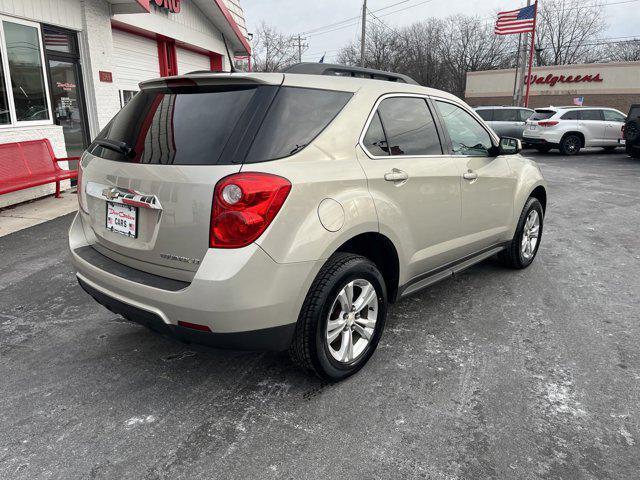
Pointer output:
x,y
521,20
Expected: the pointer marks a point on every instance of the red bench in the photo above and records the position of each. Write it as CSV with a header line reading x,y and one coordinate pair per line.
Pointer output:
x,y
31,164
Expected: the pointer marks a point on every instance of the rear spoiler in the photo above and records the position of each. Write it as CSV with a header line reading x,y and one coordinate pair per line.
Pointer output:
x,y
202,78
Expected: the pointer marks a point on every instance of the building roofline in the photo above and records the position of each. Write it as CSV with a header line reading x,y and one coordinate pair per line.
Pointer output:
x,y
230,20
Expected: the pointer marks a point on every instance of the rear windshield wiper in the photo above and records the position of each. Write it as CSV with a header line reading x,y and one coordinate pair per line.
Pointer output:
x,y
114,145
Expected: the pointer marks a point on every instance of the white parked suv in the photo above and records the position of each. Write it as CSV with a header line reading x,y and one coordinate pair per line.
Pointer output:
x,y
285,210
571,128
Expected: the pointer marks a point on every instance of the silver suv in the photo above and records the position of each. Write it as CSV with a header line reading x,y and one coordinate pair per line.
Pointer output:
x,y
286,210
571,128
505,121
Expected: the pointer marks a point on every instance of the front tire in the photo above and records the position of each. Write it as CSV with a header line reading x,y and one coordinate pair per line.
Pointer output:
x,y
525,243
342,318
570,144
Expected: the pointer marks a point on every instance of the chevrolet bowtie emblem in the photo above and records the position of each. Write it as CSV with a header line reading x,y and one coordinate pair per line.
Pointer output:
x,y
110,193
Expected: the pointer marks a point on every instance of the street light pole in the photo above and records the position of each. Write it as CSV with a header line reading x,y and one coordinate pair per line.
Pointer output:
x,y
364,31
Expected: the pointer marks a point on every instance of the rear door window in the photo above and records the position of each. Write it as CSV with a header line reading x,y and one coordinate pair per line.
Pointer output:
x,y
486,114
613,116
375,141
505,115
590,115
295,118
409,126
570,115
634,113
542,114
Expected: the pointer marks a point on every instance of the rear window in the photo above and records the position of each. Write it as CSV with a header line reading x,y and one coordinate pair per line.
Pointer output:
x,y
295,118
163,127
211,125
542,114
486,114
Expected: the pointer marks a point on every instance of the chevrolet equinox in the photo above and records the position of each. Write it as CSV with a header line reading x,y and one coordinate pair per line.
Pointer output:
x,y
287,210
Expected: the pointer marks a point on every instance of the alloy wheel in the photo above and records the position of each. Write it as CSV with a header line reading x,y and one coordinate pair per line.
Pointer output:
x,y
530,235
572,144
352,320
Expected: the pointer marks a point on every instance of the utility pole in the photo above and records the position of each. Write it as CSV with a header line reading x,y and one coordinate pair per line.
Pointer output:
x,y
298,43
364,31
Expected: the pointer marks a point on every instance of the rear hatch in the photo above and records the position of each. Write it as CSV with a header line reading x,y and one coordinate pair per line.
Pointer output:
x,y
532,128
148,178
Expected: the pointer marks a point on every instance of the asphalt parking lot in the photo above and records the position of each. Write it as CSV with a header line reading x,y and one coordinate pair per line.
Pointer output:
x,y
532,374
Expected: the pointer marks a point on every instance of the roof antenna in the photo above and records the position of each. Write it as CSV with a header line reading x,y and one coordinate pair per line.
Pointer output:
x,y
232,68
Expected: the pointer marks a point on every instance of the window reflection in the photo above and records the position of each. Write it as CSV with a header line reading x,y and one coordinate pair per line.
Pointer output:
x,y
25,67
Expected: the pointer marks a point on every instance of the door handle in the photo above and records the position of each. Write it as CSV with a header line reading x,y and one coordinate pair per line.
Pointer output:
x,y
396,175
469,175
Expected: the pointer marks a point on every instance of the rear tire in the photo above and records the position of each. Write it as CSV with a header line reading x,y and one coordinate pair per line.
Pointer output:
x,y
570,144
335,336
516,255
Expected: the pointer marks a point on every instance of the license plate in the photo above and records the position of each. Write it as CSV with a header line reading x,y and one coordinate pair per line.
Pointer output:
x,y
122,219
532,127
622,141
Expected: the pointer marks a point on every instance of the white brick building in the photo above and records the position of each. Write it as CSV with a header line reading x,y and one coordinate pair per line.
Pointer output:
x,y
68,66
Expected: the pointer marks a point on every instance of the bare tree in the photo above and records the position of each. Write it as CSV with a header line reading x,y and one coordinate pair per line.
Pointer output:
x,y
272,50
566,30
628,51
469,45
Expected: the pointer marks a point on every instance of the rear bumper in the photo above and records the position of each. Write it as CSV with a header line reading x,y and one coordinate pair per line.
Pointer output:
x,y
244,298
538,141
274,338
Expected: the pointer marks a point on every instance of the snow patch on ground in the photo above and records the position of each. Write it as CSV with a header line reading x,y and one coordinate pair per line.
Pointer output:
x,y
135,421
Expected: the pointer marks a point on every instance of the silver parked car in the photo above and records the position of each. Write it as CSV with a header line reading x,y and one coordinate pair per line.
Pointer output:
x,y
286,210
505,121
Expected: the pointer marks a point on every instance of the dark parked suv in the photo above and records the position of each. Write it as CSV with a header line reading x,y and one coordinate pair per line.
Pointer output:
x,y
631,131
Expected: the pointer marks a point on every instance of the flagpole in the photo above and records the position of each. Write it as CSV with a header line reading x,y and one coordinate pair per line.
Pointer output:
x,y
533,42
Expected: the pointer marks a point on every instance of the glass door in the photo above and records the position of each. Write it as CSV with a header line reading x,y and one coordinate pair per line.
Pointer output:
x,y
65,77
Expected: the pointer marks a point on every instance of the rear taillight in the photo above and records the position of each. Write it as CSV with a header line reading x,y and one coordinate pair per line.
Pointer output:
x,y
244,204
549,123
79,188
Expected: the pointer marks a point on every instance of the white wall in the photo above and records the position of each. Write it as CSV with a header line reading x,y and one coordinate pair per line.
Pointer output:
x,y
189,26
64,13
96,45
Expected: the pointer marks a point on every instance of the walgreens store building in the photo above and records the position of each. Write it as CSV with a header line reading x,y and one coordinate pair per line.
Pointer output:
x,y
68,66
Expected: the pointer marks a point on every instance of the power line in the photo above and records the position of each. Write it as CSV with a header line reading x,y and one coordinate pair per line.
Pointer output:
x,y
353,18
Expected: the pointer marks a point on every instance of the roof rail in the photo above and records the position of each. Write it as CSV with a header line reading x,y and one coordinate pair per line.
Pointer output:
x,y
345,71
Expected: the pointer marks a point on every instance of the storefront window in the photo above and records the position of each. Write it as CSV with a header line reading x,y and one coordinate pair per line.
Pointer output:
x,y
4,104
27,75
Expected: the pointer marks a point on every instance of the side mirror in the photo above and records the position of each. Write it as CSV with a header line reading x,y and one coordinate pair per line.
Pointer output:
x,y
510,146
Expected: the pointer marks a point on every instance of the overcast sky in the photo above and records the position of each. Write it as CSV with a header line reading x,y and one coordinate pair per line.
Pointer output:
x,y
298,16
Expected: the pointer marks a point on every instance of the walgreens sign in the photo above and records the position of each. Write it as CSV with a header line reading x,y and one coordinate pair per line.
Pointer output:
x,y
552,80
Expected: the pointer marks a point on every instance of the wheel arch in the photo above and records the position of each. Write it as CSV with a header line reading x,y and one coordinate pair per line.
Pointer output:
x,y
578,133
380,250
541,194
